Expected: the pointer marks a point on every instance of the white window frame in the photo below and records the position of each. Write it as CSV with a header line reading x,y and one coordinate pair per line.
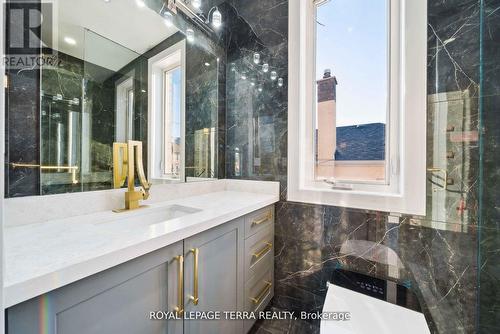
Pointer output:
x,y
124,116
405,191
174,56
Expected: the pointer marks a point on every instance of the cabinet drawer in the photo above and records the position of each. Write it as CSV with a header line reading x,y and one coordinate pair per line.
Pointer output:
x,y
258,220
258,292
259,252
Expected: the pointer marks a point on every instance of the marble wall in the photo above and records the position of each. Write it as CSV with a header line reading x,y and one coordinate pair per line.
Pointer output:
x,y
436,255
202,101
489,236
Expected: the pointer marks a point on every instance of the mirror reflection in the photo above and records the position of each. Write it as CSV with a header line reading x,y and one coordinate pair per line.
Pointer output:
x,y
115,71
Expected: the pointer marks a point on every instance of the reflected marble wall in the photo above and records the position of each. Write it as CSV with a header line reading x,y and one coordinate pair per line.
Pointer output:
x,y
205,95
201,112
33,126
87,91
21,125
436,255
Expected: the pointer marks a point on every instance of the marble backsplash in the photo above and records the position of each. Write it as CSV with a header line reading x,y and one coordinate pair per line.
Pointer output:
x,y
437,255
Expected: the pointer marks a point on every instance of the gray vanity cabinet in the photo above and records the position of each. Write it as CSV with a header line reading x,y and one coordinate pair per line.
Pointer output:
x,y
227,268
117,300
213,278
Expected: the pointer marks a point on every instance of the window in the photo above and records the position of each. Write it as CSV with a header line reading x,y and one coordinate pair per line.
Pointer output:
x,y
357,104
172,123
166,114
351,62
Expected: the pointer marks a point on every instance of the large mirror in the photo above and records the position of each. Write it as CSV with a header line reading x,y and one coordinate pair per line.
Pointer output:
x,y
110,71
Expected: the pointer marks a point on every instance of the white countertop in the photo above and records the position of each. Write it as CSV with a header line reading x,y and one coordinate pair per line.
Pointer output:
x,y
44,256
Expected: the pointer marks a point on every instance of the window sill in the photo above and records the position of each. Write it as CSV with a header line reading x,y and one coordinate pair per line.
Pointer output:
x,y
375,201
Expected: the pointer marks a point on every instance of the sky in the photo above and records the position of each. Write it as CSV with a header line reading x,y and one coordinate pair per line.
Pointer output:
x,y
176,102
352,43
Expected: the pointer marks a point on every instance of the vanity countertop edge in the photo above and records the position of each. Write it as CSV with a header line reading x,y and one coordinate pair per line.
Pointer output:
x,y
80,260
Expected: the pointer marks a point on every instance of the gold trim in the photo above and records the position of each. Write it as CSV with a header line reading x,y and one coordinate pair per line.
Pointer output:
x,y
71,169
119,174
179,309
131,160
263,251
263,293
257,222
194,298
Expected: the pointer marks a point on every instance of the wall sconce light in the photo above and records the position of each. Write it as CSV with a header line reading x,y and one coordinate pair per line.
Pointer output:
x,y
216,16
256,58
196,3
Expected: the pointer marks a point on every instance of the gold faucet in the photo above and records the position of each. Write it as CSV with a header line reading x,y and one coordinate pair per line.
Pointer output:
x,y
127,157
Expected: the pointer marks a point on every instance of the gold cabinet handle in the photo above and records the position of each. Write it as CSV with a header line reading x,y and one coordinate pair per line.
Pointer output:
x,y
263,251
262,220
179,309
194,298
258,299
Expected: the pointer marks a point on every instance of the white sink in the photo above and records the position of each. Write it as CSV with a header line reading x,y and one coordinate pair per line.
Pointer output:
x,y
149,216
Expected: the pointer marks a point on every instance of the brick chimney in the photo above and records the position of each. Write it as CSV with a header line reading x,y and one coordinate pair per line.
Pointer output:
x,y
327,124
327,87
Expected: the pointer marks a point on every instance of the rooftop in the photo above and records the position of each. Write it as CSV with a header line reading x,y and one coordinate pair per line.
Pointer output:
x,y
361,142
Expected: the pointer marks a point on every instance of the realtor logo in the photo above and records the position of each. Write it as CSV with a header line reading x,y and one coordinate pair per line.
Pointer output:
x,y
30,34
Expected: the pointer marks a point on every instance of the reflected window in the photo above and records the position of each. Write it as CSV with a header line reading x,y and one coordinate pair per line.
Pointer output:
x,y
167,107
172,123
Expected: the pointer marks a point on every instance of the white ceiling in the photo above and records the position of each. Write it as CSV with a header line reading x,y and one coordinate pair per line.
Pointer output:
x,y
122,21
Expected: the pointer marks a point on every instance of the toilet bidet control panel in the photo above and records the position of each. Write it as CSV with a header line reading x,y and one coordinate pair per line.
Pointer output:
x,y
386,290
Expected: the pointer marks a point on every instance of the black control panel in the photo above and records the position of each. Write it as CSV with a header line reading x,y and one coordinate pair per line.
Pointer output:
x,y
386,290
